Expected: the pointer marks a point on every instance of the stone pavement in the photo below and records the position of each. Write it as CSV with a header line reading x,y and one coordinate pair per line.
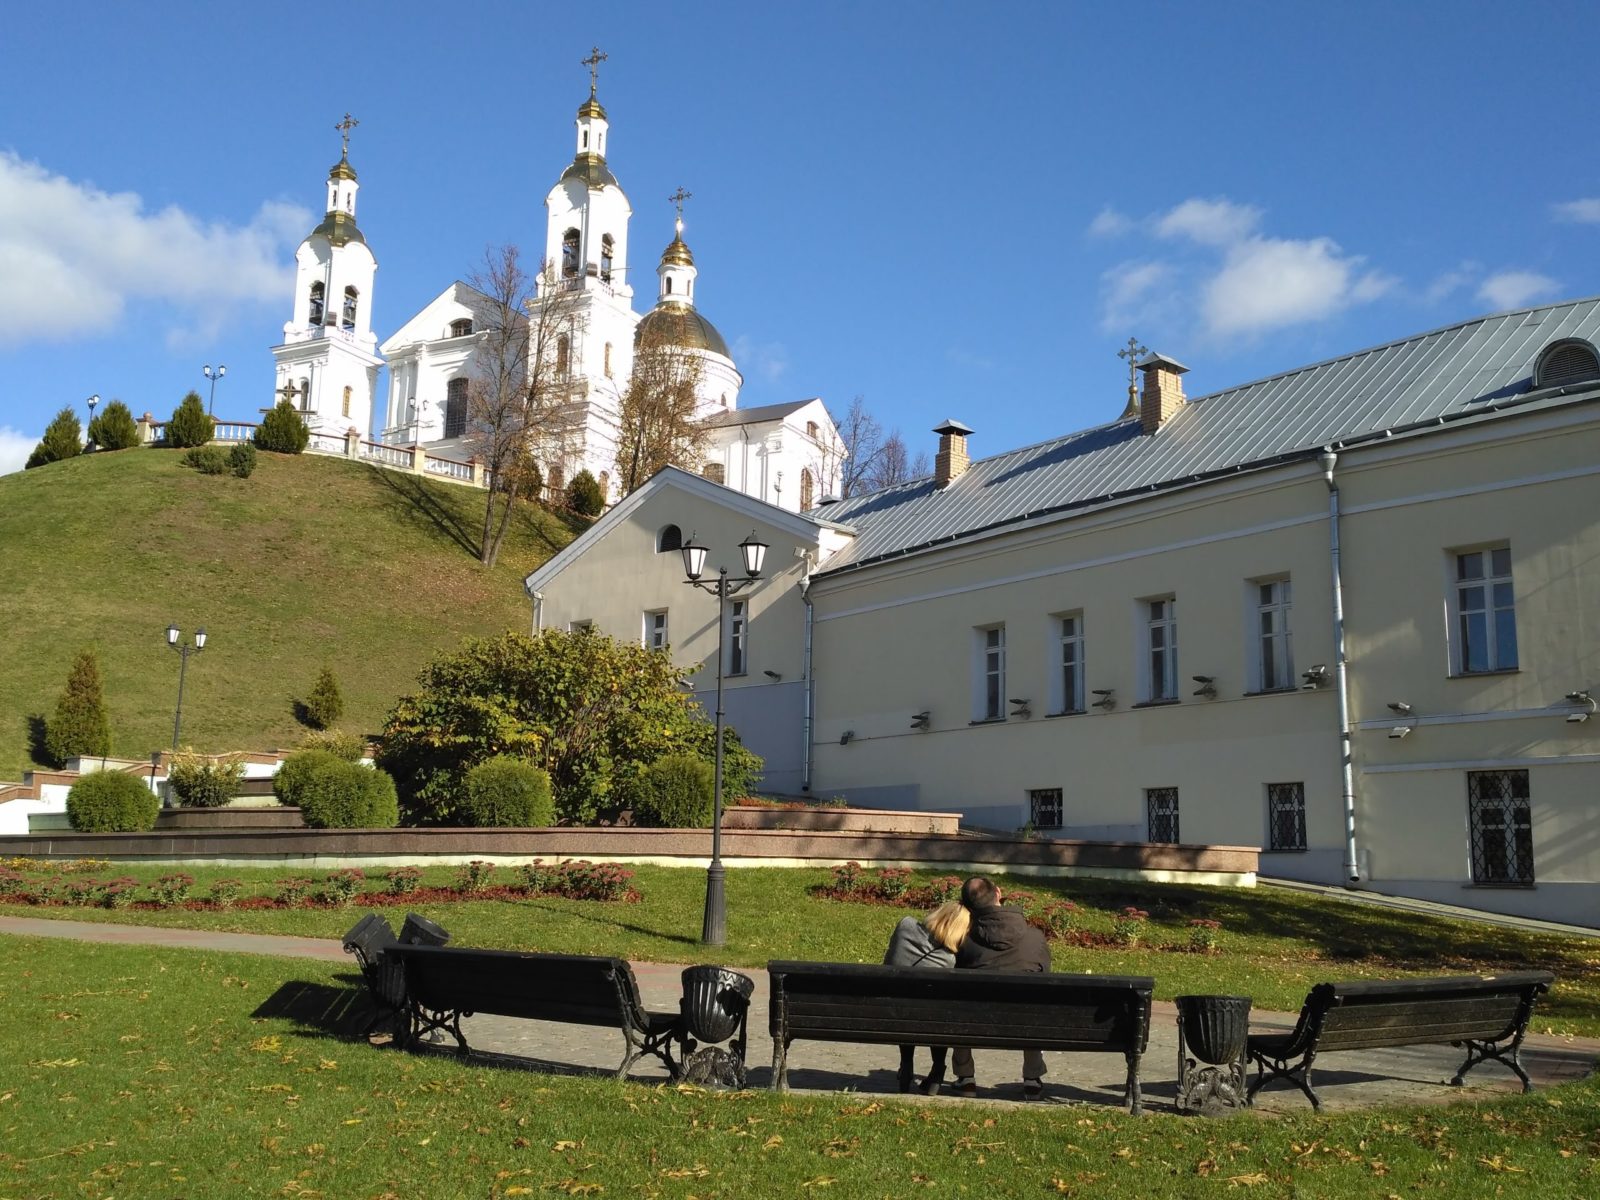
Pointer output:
x,y
1352,1079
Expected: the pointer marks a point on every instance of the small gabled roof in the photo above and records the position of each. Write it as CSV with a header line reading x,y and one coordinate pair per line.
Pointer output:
x,y
424,325
757,416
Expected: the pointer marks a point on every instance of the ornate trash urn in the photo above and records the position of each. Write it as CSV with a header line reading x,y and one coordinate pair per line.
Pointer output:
x,y
1212,1033
419,931
715,1008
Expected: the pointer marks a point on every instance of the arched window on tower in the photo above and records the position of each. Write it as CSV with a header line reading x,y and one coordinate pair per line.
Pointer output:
x,y
563,355
669,539
316,303
455,408
811,430
669,285
714,471
607,248
347,318
305,394
569,254
605,487
806,489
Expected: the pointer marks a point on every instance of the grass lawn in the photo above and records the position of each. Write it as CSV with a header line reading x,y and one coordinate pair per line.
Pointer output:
x,y
160,1072
1274,943
310,560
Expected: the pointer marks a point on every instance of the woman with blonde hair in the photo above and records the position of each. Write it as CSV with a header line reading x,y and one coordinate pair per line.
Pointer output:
x,y
929,943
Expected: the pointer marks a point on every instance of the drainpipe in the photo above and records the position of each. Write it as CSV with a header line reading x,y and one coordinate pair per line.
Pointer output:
x,y
538,611
805,745
1352,870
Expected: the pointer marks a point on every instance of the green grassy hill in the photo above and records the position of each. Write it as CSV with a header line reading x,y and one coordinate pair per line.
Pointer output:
x,y
310,560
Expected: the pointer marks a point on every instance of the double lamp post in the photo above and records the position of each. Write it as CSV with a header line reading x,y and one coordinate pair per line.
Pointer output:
x,y
184,649
714,928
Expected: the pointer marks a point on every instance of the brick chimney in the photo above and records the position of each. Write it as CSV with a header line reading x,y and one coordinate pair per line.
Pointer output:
x,y
1163,391
951,461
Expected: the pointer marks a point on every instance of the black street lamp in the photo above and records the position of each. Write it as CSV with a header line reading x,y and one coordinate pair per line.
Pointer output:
x,y
173,639
211,405
714,929
91,402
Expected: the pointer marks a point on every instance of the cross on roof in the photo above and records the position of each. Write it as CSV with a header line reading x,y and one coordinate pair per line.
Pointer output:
x,y
344,127
1133,353
677,198
593,63
289,392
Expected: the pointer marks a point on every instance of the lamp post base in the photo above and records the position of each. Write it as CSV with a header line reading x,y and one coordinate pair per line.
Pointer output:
x,y
714,930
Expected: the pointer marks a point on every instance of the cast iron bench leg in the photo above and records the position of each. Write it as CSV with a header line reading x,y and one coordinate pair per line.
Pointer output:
x,y
780,1065
1478,1052
1134,1098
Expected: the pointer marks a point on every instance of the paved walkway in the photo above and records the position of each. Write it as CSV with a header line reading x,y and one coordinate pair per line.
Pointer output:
x,y
1433,908
1355,1079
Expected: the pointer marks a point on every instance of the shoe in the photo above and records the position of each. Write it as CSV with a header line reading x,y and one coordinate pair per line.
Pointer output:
x,y
967,1088
905,1077
1033,1089
930,1085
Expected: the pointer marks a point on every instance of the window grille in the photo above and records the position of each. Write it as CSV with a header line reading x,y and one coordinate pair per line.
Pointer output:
x,y
670,538
1161,809
1044,808
455,408
1286,816
1501,822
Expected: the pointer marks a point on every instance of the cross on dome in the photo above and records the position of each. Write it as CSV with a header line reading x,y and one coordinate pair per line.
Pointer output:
x,y
677,198
1133,353
344,127
593,63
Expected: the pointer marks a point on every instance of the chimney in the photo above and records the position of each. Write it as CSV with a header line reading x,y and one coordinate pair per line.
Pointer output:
x,y
1163,391
951,461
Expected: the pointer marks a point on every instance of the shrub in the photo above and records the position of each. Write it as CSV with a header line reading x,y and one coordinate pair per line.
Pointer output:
x,y
341,886
291,891
61,440
1058,916
893,882
201,782
402,881
111,802
208,460
676,793
224,892
944,889
584,496
535,876
114,428
82,893
120,893
1203,935
283,430
506,791
79,725
13,884
474,876
1023,902
242,460
847,877
1127,926
190,425
334,794
530,481
741,768
172,890
324,706
584,880
351,747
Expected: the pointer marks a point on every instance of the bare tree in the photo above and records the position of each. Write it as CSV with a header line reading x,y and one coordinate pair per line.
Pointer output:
x,y
894,465
858,450
518,398
659,425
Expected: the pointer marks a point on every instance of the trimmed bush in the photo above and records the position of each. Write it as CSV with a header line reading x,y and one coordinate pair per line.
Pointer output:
x,y
62,439
283,430
334,794
351,747
506,791
201,782
242,460
584,496
79,726
676,793
114,429
112,802
324,706
190,424
208,460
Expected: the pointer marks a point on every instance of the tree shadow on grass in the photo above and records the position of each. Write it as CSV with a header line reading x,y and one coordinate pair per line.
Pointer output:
x,y
36,730
419,503
613,923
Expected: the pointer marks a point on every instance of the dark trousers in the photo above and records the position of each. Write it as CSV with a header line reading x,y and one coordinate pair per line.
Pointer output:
x,y
908,1056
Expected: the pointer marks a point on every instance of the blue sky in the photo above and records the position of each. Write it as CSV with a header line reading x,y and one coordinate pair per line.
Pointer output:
x,y
950,210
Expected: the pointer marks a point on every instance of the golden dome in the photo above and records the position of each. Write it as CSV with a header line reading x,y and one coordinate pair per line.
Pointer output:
x,y
677,324
342,170
339,228
591,170
591,108
678,254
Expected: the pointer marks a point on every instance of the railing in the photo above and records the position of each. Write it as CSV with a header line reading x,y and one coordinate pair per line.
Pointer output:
x,y
448,467
388,456
326,443
234,431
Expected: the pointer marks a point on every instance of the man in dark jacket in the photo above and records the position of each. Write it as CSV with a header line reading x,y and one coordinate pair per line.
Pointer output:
x,y
1000,940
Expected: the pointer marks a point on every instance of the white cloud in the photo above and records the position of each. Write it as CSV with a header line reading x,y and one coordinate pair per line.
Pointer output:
x,y
1513,289
72,256
1133,291
1267,283
769,360
1108,222
1452,281
14,449
1584,212
1218,222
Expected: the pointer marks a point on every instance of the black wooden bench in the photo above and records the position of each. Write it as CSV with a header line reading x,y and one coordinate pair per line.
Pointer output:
x,y
444,984
1488,1014
997,1010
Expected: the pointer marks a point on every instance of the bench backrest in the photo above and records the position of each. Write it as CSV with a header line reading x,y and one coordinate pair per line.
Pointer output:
x,y
574,988
998,1009
1364,1015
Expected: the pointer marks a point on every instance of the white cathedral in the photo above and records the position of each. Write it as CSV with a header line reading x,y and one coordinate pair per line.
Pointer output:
x,y
328,363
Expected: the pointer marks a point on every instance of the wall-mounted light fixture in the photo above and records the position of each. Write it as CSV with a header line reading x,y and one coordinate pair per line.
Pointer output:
x,y
1021,710
1400,731
844,738
922,720
1400,708
1108,698
1208,685
775,676
1315,678
1584,698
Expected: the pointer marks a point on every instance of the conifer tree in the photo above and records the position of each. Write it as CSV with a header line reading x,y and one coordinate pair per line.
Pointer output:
x,y
282,430
115,428
190,425
79,725
325,705
62,439
584,496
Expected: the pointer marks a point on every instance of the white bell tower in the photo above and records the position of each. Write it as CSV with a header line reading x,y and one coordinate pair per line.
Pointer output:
x,y
328,363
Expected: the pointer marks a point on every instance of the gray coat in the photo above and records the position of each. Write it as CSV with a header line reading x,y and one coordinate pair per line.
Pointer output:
x,y
913,946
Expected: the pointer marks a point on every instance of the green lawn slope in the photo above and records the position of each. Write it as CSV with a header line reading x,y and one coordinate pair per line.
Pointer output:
x,y
310,560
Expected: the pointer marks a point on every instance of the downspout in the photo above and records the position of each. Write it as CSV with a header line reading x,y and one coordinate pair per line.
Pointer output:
x,y
538,611
805,745
1352,870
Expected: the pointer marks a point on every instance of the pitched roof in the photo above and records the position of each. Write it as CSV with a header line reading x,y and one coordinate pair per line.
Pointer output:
x,y
1459,371
756,416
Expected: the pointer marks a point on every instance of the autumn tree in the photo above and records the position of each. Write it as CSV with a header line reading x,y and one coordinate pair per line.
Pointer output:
x,y
659,424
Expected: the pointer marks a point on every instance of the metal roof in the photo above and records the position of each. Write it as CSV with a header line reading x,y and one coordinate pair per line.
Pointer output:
x,y
756,416
1448,373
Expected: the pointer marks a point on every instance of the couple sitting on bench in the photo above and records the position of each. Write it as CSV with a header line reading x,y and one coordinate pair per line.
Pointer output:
x,y
977,933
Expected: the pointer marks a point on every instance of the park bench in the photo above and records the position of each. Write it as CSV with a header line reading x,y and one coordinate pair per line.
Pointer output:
x,y
1488,1014
368,940
444,984
997,1010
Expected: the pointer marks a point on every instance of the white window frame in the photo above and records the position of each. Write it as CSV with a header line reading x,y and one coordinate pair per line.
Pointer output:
x,y
1067,693
738,647
989,661
655,629
1278,613
580,625
1497,595
1165,689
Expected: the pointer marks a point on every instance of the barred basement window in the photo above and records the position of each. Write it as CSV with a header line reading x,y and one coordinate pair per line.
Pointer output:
x,y
1044,808
1501,825
1161,812
1286,816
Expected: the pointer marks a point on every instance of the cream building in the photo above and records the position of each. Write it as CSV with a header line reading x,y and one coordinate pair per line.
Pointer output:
x,y
1350,613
